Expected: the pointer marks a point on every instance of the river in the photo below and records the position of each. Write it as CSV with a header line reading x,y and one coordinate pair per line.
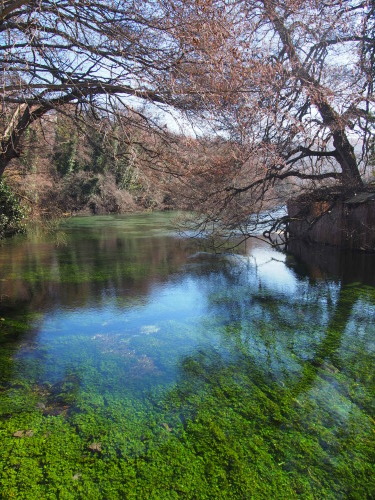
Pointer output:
x,y
134,364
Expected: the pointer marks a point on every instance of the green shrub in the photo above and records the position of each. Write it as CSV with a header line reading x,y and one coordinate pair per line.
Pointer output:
x,y
11,212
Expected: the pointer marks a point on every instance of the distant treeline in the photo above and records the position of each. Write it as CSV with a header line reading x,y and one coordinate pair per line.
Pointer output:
x,y
86,164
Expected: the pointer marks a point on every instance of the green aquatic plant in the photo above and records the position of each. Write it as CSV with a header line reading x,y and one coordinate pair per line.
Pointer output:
x,y
224,430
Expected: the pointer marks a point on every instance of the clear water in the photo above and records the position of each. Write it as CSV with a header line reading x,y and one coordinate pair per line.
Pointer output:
x,y
135,365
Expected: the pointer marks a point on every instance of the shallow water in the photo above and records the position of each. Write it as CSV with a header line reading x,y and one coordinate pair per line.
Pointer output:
x,y
135,365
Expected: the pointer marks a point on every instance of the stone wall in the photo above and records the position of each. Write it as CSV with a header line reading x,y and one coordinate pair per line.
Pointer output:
x,y
348,224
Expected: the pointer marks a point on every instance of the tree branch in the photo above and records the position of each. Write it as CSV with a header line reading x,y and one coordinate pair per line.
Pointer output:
x,y
284,175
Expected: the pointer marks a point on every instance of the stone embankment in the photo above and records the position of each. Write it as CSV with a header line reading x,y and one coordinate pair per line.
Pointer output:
x,y
347,223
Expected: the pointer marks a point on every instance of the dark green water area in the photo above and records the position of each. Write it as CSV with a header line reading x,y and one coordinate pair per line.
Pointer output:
x,y
135,366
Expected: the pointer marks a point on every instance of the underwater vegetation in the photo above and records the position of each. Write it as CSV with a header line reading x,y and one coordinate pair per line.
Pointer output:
x,y
201,380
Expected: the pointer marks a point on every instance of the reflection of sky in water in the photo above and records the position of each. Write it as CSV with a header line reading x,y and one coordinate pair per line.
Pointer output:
x,y
167,320
251,304
272,270
141,325
177,300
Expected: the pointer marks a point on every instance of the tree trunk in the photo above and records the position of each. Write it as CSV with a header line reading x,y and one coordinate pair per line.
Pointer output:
x,y
347,160
344,150
22,118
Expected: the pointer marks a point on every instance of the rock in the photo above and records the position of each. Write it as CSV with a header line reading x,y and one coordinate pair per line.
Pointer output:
x,y
56,410
148,329
97,447
21,434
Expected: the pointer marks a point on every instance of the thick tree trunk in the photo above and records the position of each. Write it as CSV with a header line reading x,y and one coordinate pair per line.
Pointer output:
x,y
344,150
347,160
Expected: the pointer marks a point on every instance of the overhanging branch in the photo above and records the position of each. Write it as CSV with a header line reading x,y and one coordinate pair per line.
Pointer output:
x,y
280,176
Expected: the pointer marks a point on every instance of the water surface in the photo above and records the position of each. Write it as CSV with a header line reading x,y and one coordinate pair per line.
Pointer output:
x,y
135,365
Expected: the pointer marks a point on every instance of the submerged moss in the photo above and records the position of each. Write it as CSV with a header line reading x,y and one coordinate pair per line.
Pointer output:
x,y
223,431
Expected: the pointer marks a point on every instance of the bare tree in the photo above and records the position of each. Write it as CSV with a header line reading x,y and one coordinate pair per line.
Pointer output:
x,y
284,88
54,53
289,85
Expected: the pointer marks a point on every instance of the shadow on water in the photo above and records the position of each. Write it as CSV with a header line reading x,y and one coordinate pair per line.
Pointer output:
x,y
133,366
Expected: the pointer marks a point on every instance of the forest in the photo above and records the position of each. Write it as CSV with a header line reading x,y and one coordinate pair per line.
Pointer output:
x,y
228,108
232,108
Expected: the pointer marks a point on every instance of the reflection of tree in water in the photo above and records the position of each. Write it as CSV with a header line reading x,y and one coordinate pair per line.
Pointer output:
x,y
292,393
353,270
302,337
276,402
88,269
327,262
327,354
84,270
